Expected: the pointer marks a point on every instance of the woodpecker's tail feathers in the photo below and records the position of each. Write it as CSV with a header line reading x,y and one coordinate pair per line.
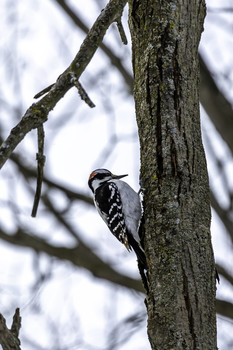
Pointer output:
x,y
142,264
217,275
144,276
138,251
141,257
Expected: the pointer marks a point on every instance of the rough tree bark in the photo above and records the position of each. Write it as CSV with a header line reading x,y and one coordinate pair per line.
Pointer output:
x,y
181,301
9,338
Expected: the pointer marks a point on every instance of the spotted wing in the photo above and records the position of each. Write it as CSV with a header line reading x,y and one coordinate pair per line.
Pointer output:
x,y
109,206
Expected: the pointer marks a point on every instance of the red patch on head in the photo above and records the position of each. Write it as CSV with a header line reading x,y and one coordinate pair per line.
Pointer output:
x,y
92,174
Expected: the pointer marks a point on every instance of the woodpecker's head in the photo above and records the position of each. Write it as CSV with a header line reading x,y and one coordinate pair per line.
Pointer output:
x,y
100,176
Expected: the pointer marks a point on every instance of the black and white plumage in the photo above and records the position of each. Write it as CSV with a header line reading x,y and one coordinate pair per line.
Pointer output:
x,y
119,206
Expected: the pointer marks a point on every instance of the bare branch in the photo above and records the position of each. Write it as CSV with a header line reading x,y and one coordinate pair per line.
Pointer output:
x,y
40,168
121,31
95,36
44,91
81,256
219,9
216,105
33,118
115,60
223,272
224,308
83,94
223,215
37,114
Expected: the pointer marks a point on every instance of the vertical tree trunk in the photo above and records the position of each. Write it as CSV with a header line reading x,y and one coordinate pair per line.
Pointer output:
x,y
181,302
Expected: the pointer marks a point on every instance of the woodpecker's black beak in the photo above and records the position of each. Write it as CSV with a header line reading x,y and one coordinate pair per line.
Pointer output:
x,y
118,176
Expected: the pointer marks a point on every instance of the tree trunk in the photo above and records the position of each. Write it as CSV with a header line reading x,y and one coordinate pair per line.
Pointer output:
x,y
181,301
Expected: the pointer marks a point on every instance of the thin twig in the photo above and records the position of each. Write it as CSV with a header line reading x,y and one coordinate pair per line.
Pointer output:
x,y
83,94
44,91
121,31
40,168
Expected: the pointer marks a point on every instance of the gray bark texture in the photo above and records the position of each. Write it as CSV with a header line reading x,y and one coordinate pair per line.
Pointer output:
x,y
181,268
9,338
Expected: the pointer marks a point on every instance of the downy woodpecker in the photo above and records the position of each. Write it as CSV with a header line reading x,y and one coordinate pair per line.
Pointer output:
x,y
120,208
